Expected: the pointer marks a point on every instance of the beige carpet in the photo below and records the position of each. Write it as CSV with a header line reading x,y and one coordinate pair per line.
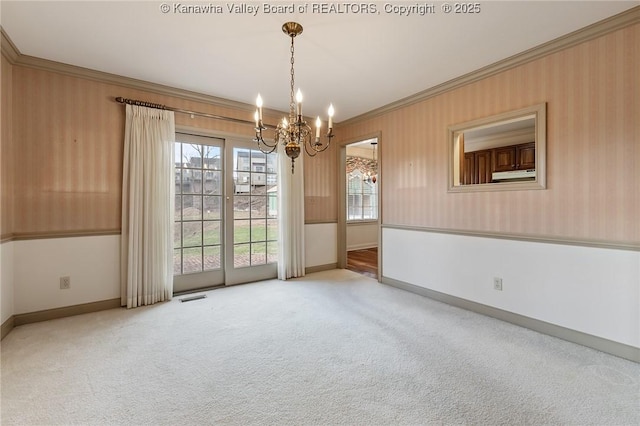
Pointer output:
x,y
332,348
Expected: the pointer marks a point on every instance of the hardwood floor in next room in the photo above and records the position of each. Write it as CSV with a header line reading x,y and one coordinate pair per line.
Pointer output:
x,y
364,262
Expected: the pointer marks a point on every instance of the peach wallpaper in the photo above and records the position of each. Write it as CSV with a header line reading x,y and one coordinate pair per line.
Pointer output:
x,y
320,186
68,137
67,146
592,92
67,153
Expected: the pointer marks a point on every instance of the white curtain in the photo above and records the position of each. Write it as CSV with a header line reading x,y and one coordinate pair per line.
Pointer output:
x,y
147,207
291,257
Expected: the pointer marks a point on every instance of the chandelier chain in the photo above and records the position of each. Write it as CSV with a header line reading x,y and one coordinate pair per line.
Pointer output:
x,y
292,104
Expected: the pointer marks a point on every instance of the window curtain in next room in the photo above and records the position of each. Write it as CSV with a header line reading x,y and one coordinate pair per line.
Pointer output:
x,y
147,207
291,256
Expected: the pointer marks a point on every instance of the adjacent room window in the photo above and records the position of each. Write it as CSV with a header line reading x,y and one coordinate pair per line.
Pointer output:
x,y
362,196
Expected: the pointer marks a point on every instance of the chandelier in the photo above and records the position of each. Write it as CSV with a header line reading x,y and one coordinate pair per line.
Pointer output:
x,y
293,132
372,175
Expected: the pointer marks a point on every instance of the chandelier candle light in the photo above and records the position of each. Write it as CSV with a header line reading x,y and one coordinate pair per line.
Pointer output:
x,y
294,132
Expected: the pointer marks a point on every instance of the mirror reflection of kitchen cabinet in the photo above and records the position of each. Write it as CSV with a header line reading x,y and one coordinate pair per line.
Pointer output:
x,y
515,157
468,172
506,151
483,166
476,167
526,156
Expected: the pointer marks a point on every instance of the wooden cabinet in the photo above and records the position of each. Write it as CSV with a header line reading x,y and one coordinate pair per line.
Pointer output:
x,y
478,166
504,159
514,157
468,172
483,166
526,156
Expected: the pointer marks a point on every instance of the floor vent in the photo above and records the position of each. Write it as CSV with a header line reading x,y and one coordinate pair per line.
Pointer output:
x,y
196,297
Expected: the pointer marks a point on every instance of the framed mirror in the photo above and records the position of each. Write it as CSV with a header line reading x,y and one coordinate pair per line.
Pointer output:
x,y
501,152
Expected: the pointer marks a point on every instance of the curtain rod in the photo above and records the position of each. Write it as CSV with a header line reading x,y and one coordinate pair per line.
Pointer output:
x,y
122,100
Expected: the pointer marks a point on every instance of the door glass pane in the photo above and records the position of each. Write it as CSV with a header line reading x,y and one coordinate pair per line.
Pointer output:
x,y
191,155
241,205
191,207
191,234
177,206
212,207
211,233
259,205
258,253
272,164
212,258
255,207
191,260
243,183
272,229
177,261
241,231
272,203
177,236
258,230
198,204
189,183
213,182
242,160
241,255
212,157
272,252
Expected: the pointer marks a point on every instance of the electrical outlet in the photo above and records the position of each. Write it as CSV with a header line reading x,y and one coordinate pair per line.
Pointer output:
x,y
65,283
497,283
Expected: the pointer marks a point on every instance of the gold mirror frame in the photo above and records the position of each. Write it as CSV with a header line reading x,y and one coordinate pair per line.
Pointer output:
x,y
537,112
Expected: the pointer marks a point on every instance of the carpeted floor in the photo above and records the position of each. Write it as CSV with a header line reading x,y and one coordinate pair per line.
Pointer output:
x,y
332,348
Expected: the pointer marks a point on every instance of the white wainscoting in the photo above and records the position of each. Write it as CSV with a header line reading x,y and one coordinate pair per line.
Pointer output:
x,y
321,241
362,235
6,281
588,289
92,262
31,269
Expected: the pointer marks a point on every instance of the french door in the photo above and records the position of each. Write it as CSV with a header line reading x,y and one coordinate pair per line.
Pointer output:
x,y
225,220
252,212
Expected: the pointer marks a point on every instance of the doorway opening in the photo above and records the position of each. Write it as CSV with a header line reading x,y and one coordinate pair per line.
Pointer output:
x,y
360,212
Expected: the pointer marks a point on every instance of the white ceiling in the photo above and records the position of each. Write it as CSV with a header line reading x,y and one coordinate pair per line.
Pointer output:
x,y
358,62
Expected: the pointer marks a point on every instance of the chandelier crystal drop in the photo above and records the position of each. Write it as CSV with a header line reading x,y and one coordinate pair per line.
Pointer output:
x,y
293,132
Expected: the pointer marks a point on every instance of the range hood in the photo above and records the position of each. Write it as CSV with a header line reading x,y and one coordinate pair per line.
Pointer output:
x,y
513,175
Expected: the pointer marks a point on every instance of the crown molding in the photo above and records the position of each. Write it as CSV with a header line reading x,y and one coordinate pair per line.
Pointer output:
x,y
598,29
9,50
13,55
614,23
